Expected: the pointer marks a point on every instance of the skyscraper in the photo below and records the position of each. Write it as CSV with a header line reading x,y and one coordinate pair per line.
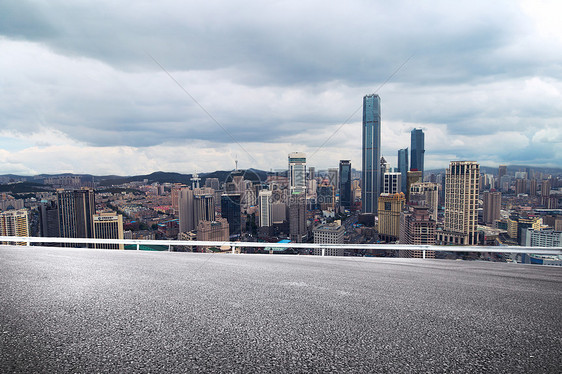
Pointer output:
x,y
185,209
265,200
492,206
297,172
370,179
403,167
76,210
417,149
461,204
230,209
345,184
297,218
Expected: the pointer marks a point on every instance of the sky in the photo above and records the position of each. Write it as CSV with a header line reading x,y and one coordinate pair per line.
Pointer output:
x,y
114,87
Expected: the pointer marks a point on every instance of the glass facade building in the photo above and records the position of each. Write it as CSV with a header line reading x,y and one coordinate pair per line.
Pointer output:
x,y
370,180
403,167
417,149
345,184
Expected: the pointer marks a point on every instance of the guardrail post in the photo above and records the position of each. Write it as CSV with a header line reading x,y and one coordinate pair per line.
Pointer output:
x,y
28,243
424,254
169,248
323,251
138,246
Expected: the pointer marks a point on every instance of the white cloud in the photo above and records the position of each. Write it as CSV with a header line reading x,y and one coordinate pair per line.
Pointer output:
x,y
483,83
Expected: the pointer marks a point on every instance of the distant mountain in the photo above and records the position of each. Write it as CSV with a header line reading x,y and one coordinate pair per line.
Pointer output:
x,y
23,187
158,176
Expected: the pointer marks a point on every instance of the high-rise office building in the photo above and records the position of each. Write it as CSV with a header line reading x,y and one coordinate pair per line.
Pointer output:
x,y
185,209
346,199
14,223
265,202
392,183
297,172
403,168
461,204
230,210
297,218
417,150
108,226
390,206
76,210
49,220
370,177
204,206
492,205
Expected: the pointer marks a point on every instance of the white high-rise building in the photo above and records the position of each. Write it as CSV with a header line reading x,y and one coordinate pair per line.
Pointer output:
x,y
297,172
265,205
392,183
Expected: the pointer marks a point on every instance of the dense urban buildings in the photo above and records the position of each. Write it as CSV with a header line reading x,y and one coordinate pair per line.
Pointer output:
x,y
371,153
464,205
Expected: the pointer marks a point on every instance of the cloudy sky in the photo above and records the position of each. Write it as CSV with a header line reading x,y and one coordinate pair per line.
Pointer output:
x,y
115,87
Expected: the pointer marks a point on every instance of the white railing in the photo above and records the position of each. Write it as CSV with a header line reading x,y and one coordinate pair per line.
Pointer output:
x,y
28,240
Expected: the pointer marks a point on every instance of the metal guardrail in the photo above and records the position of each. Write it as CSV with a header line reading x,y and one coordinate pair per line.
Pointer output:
x,y
28,240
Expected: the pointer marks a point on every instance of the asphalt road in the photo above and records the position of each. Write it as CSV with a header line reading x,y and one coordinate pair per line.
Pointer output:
x,y
83,310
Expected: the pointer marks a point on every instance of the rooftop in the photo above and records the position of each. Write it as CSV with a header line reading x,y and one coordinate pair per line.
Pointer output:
x,y
86,310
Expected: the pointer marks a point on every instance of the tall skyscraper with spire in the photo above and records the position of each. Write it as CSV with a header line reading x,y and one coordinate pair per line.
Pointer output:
x,y
370,177
417,148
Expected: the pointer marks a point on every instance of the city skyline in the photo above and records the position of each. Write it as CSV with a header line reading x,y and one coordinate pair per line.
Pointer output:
x,y
86,86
